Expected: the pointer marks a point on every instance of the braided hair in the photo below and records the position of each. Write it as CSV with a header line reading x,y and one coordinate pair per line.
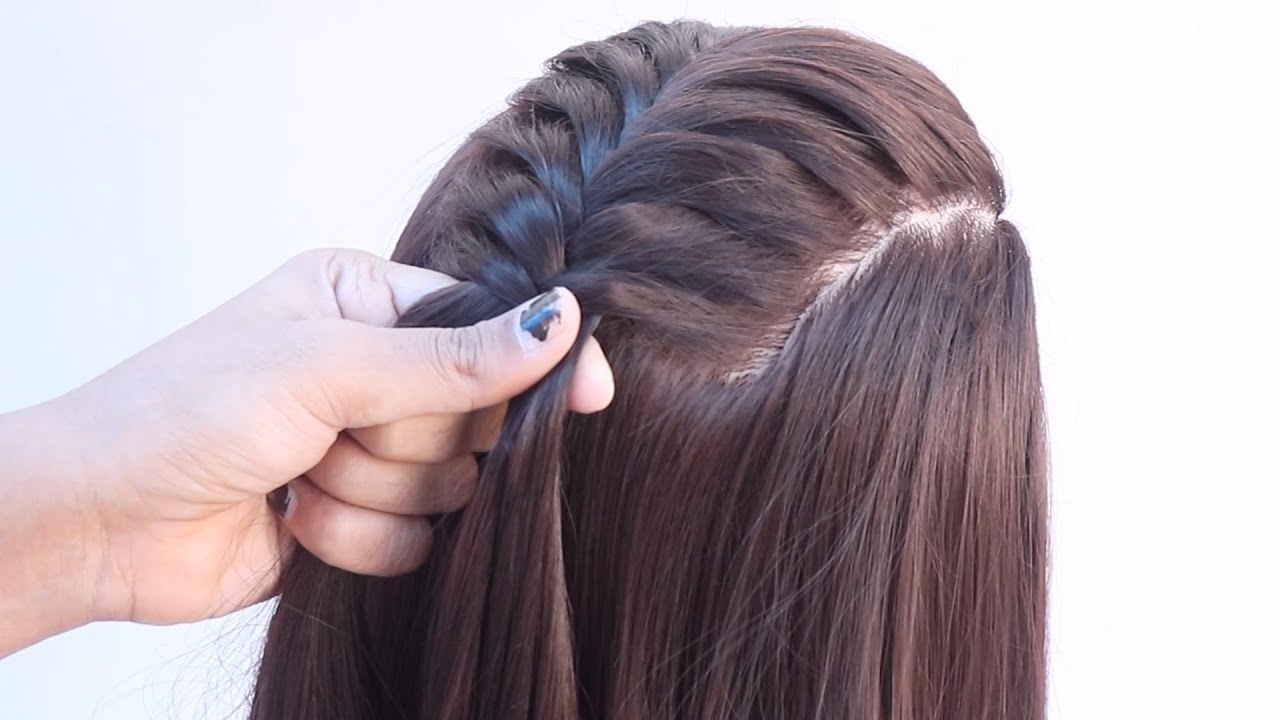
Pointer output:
x,y
820,491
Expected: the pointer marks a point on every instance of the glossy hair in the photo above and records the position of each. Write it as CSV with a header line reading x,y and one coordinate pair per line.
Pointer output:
x,y
820,491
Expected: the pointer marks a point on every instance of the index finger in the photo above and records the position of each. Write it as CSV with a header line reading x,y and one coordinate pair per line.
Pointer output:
x,y
374,291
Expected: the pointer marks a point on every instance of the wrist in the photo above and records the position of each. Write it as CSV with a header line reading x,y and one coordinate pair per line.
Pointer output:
x,y
53,570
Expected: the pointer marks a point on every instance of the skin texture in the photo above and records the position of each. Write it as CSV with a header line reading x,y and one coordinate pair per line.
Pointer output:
x,y
142,495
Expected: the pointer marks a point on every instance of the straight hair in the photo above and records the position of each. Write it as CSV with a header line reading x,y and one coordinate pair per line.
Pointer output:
x,y
820,491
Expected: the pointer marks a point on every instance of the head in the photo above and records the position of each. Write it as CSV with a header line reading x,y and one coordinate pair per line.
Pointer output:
x,y
820,490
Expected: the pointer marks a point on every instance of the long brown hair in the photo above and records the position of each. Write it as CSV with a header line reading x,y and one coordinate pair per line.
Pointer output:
x,y
821,489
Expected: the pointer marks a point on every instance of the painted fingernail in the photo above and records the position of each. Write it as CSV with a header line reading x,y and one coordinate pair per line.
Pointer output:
x,y
280,500
539,319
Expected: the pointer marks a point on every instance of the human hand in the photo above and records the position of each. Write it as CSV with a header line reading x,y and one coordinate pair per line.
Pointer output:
x,y
177,449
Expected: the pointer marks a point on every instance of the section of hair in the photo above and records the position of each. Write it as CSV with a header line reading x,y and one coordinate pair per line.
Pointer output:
x,y
937,223
820,490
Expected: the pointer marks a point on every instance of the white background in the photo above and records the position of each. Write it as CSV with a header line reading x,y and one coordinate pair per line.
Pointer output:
x,y
156,158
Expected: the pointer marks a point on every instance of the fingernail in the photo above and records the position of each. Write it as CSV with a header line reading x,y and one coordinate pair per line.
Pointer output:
x,y
280,500
538,320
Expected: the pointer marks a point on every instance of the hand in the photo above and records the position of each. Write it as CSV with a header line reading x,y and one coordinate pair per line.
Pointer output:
x,y
173,453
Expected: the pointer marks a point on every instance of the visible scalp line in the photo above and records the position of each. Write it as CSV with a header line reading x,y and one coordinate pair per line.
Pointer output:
x,y
928,220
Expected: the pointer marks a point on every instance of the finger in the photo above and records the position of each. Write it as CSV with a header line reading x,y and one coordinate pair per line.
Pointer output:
x,y
433,438
349,537
353,475
369,376
437,438
374,291
350,284
591,389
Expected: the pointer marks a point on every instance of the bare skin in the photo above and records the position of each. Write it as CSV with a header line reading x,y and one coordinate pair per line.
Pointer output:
x,y
142,495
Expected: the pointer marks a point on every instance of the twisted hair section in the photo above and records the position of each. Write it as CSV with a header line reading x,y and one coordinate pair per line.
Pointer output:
x,y
820,491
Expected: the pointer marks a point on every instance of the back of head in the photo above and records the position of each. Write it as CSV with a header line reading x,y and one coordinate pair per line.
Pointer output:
x,y
820,490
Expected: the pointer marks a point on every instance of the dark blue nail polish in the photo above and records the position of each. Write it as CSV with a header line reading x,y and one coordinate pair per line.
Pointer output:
x,y
537,319
279,500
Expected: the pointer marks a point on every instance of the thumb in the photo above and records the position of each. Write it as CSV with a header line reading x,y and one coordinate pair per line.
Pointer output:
x,y
377,375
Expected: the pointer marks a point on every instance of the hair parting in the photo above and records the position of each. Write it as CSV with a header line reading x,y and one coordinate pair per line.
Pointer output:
x,y
821,489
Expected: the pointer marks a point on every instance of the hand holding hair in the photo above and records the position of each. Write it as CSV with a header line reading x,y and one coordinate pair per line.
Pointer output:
x,y
172,487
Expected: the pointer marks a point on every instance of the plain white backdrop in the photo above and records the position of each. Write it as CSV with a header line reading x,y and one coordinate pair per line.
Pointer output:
x,y
156,158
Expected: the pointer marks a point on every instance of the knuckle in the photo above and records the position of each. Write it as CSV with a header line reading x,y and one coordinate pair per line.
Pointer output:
x,y
315,258
469,345
460,356
337,265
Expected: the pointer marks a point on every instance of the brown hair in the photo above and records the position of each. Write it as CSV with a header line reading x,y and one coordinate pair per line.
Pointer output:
x,y
820,491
